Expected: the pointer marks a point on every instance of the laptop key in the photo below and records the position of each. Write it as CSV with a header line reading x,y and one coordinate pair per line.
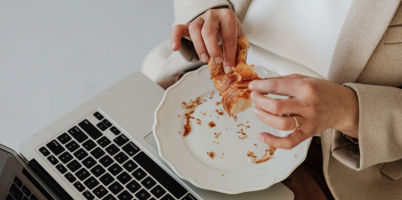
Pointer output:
x,y
33,197
90,129
52,159
167,197
100,191
106,161
104,141
112,149
139,174
98,152
44,151
109,197
130,165
88,195
115,187
142,194
158,191
106,179
107,123
124,178
131,149
125,195
18,182
115,130
74,165
115,169
120,157
120,140
64,138
79,186
65,157
133,186
97,170
189,197
89,145
26,191
55,147
72,146
61,168
80,154
98,116
101,126
148,182
91,182
15,192
9,197
160,175
78,134
82,174
25,198
70,177
89,162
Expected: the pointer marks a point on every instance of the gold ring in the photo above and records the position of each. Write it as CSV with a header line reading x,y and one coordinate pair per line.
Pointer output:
x,y
298,126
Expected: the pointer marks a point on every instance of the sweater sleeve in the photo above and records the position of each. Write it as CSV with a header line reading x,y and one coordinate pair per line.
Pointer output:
x,y
186,11
380,128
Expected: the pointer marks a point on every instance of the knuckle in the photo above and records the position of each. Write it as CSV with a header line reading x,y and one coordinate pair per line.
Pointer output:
x,y
283,125
193,27
277,108
309,87
272,85
208,30
230,41
210,13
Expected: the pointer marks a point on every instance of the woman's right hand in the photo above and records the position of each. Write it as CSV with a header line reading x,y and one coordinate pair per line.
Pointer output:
x,y
204,32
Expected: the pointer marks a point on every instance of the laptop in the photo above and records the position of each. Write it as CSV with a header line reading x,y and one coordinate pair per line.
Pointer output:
x,y
104,149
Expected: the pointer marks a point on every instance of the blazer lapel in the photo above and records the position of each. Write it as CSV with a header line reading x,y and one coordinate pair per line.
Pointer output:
x,y
364,27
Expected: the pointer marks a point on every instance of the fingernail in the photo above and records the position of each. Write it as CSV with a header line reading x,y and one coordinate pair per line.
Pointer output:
x,y
261,137
218,59
252,95
204,57
173,45
250,86
228,69
255,110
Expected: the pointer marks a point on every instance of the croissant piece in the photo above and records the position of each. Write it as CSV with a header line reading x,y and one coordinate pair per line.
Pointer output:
x,y
234,87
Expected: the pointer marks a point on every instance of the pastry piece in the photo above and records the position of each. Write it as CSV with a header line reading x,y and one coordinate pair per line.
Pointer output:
x,y
234,87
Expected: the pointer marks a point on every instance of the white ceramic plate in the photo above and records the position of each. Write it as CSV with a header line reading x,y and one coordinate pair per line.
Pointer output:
x,y
232,172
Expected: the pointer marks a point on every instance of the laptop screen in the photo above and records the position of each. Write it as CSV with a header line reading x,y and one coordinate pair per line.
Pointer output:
x,y
15,181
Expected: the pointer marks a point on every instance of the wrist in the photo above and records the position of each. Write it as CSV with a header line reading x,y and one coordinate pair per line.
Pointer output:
x,y
349,118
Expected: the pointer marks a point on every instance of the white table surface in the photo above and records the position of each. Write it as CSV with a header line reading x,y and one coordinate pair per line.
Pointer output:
x,y
55,55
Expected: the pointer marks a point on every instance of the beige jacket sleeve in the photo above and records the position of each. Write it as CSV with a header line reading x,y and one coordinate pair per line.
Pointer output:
x,y
380,128
186,11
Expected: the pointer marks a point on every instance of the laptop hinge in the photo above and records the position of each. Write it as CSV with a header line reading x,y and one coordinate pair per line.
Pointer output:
x,y
24,159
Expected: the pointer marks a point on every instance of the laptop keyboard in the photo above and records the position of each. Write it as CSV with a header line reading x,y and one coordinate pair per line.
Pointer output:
x,y
100,162
19,191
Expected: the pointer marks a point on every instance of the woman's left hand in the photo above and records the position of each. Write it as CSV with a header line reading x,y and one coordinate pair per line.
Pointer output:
x,y
316,103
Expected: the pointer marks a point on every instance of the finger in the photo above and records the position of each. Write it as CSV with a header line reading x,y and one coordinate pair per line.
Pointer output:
x,y
209,33
178,32
290,76
286,87
195,34
276,106
229,40
288,142
284,123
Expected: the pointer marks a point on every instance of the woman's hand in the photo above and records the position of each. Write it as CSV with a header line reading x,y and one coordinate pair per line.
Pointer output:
x,y
204,32
317,104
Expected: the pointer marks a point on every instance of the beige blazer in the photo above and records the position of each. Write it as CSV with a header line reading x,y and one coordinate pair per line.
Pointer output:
x,y
368,59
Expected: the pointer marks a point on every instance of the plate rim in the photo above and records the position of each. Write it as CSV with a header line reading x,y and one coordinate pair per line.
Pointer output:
x,y
191,180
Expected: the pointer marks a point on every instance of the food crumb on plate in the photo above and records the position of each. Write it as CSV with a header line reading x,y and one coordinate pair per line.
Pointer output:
x,y
244,135
217,135
218,103
223,175
198,121
179,116
220,112
211,124
295,156
211,154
